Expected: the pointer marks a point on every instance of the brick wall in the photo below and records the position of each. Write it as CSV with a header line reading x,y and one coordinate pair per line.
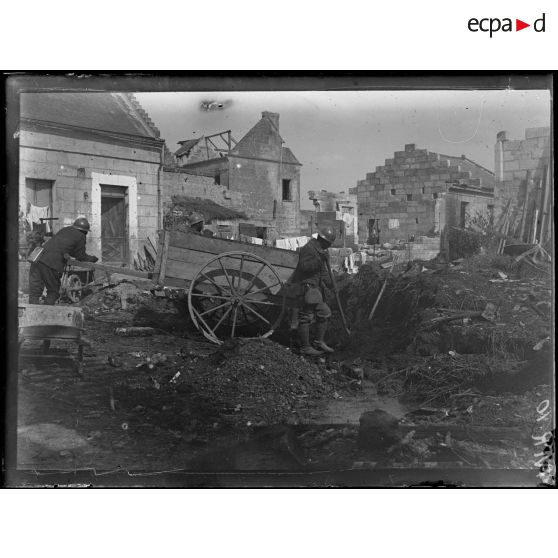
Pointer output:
x,y
520,166
69,163
406,189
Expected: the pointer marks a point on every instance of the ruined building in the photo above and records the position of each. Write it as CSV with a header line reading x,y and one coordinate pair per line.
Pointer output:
x,y
338,209
418,193
524,183
96,155
257,175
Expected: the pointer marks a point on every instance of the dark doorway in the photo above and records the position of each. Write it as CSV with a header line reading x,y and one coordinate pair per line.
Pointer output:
x,y
373,233
114,233
463,214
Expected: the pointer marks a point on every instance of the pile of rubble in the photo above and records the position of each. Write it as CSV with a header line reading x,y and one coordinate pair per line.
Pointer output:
x,y
259,382
442,330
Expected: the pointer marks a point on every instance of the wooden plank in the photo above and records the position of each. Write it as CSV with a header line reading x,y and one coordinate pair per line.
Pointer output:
x,y
185,264
47,315
110,269
214,245
49,332
159,252
164,257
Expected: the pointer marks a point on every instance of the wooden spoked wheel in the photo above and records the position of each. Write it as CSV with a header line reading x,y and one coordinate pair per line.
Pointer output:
x,y
72,288
236,294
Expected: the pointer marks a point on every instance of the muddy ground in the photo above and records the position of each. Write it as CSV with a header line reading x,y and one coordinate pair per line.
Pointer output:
x,y
464,393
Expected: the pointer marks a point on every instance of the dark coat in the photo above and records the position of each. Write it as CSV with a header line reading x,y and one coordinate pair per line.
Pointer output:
x,y
68,240
311,268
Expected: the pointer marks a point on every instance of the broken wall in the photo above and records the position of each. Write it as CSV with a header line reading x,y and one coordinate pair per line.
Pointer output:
x,y
521,169
402,194
179,182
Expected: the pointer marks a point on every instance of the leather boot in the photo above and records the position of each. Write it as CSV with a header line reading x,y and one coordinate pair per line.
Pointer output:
x,y
319,343
304,336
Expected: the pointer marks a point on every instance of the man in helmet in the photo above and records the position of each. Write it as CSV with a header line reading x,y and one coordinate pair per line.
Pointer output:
x,y
196,221
47,270
311,274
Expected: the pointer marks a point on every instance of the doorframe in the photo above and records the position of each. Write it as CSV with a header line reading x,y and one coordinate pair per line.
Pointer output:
x,y
130,182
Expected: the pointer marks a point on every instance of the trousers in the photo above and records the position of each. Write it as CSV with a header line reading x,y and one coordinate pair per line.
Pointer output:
x,y
41,276
314,307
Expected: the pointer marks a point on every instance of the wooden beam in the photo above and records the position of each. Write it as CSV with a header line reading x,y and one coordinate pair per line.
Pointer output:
x,y
163,261
109,269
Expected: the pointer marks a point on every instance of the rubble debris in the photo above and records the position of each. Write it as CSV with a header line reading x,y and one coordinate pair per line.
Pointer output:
x,y
136,331
378,430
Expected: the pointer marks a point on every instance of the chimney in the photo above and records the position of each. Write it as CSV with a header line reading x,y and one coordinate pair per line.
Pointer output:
x,y
273,116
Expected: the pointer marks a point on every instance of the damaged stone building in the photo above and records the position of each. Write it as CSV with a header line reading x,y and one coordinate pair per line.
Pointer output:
x,y
257,175
96,155
417,193
524,184
338,209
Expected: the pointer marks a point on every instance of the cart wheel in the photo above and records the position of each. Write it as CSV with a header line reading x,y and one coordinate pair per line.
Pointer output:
x,y
73,282
235,294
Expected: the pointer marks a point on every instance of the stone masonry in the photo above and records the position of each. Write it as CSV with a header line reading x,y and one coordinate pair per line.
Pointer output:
x,y
521,169
406,195
70,163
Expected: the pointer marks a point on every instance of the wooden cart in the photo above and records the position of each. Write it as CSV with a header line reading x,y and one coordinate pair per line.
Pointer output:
x,y
234,288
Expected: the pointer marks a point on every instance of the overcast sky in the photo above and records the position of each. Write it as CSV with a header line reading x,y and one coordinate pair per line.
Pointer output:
x,y
340,136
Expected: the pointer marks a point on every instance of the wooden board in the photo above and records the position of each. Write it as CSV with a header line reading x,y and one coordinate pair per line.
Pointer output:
x,y
46,315
187,253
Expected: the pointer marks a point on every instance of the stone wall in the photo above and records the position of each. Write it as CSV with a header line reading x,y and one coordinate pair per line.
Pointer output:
x,y
477,204
403,193
260,183
72,164
327,202
521,167
178,182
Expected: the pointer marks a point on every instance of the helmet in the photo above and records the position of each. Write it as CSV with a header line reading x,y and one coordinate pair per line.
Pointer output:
x,y
327,232
82,224
194,218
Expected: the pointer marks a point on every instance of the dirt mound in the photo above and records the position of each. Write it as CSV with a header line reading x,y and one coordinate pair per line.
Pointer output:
x,y
259,381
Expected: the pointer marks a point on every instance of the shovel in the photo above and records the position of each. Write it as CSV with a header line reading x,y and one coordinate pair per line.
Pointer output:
x,y
343,319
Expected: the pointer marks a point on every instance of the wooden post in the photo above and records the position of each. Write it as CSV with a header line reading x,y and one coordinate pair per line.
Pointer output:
x,y
163,262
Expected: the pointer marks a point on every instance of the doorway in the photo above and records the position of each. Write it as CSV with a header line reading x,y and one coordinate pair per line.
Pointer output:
x,y
114,224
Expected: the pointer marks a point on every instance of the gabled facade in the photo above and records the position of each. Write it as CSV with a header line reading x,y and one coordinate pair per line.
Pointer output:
x,y
96,155
418,193
262,170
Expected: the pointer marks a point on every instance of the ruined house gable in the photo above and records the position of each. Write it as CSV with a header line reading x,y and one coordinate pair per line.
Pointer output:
x,y
195,151
262,141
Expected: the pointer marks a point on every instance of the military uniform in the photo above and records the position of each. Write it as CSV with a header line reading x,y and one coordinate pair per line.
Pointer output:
x,y
47,270
310,278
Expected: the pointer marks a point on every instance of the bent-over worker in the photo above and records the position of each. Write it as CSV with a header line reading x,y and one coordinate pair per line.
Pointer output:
x,y
47,270
311,274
